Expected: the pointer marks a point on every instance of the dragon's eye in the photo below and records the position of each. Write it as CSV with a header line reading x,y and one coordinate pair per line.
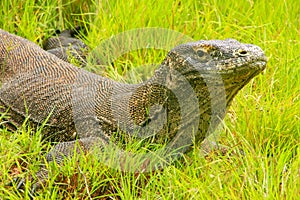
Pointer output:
x,y
200,53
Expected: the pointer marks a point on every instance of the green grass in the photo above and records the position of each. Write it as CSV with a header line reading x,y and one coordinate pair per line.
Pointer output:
x,y
264,119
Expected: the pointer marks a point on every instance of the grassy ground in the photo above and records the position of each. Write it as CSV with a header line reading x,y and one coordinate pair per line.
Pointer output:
x,y
264,119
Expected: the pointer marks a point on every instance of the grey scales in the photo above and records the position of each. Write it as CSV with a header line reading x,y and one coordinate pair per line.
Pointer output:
x,y
190,93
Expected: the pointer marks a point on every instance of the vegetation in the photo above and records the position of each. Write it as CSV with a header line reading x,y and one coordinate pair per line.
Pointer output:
x,y
264,120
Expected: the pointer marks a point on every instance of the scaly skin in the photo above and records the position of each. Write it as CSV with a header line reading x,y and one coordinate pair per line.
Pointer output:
x,y
67,46
193,87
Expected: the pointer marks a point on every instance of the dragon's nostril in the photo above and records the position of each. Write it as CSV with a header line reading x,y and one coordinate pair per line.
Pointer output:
x,y
242,52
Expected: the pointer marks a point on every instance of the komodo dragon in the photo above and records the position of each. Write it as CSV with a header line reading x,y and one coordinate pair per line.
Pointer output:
x,y
67,46
37,84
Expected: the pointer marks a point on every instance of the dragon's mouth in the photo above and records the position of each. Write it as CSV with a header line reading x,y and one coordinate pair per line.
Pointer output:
x,y
231,66
258,65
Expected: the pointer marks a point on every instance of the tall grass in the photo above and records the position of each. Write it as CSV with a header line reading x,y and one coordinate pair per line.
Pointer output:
x,y
264,119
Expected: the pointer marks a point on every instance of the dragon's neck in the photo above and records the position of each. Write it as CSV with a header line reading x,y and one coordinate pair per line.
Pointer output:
x,y
167,103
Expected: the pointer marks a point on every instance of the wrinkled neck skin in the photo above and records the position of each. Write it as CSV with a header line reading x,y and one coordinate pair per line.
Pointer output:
x,y
177,100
